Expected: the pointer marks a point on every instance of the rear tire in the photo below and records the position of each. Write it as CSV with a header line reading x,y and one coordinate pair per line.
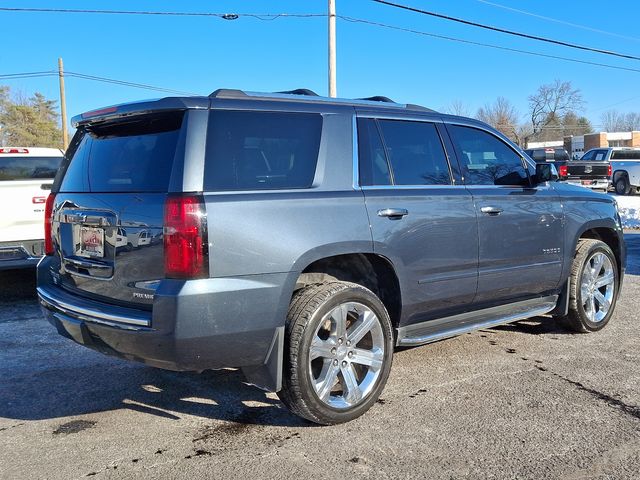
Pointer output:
x,y
338,352
593,287
622,185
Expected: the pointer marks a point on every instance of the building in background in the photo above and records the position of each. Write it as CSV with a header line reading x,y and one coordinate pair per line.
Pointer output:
x,y
577,145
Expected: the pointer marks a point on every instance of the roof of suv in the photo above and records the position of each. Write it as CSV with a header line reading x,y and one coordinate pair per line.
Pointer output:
x,y
201,102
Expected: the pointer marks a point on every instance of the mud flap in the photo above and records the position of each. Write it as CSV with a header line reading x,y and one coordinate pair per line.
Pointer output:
x,y
562,306
268,376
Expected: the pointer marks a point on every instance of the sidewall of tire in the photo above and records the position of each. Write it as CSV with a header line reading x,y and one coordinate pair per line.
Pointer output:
x,y
324,412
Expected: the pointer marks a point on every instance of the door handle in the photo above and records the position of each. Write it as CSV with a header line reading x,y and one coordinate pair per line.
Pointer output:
x,y
493,211
393,212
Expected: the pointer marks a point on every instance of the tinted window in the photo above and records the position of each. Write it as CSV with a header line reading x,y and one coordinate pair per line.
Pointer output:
x,y
374,169
487,160
28,168
131,156
415,153
589,155
261,150
626,154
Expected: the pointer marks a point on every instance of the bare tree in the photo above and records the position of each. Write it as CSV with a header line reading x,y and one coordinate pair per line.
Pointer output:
x,y
501,115
553,101
614,121
457,107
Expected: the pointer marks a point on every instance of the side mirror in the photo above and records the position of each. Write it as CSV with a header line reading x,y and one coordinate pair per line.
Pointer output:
x,y
545,172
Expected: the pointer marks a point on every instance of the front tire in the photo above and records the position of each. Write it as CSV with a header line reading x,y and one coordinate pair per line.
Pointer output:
x,y
339,349
593,288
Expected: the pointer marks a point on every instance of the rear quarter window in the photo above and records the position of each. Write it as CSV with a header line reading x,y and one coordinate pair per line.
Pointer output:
x,y
28,168
625,155
261,150
131,156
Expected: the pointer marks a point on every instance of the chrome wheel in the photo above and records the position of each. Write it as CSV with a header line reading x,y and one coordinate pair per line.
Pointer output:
x,y
597,287
346,355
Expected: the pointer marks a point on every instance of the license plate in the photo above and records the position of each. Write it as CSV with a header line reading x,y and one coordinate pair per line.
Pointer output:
x,y
91,242
587,182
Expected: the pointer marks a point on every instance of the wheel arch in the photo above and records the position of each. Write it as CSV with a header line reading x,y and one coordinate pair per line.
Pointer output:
x,y
371,270
607,234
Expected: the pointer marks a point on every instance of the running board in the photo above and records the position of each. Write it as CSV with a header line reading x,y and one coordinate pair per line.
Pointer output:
x,y
434,330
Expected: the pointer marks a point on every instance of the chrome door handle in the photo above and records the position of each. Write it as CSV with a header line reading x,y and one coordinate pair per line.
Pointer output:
x,y
491,210
393,212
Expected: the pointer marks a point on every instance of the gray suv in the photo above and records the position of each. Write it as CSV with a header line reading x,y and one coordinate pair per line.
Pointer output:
x,y
301,239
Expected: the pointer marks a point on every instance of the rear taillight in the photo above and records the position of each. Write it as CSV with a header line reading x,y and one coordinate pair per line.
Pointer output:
x,y
186,252
563,171
609,170
48,219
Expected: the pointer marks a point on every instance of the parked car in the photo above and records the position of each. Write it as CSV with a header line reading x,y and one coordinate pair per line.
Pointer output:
x,y
625,169
557,156
306,237
26,175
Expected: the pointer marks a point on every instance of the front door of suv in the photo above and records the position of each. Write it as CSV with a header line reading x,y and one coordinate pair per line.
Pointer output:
x,y
420,220
520,228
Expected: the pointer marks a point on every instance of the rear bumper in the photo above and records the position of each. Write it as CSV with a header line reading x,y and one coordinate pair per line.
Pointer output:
x,y
596,184
20,253
193,325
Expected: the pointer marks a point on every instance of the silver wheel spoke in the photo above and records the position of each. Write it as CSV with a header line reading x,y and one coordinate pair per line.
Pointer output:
x,y
353,393
370,358
605,280
320,348
592,309
326,381
598,260
339,316
361,327
602,301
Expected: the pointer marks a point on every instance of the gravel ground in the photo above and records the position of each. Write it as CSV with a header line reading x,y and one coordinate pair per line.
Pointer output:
x,y
527,400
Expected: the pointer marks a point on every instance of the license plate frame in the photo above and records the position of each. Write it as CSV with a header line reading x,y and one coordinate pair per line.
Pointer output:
x,y
90,242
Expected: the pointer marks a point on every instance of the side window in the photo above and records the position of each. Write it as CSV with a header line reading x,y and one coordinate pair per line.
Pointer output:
x,y
601,155
487,160
415,153
374,169
261,150
589,155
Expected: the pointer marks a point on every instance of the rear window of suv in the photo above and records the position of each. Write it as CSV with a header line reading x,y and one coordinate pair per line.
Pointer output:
x,y
28,168
127,156
248,150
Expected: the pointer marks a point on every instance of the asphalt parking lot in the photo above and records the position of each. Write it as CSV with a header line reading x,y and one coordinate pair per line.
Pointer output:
x,y
527,400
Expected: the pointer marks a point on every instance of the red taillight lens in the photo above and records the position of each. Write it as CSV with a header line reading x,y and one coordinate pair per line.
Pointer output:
x,y
48,218
186,253
609,170
562,171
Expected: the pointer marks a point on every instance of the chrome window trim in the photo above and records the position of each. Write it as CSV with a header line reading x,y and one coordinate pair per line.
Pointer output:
x,y
406,118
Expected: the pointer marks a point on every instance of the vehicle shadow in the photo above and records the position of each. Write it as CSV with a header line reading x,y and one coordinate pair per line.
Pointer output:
x,y
535,326
17,285
112,385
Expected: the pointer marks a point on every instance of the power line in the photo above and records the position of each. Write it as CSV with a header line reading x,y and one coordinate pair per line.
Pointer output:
x,y
225,16
556,20
84,76
508,32
488,45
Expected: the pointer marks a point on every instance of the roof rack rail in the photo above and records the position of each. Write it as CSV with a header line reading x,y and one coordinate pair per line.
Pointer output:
x,y
413,106
377,98
300,91
227,92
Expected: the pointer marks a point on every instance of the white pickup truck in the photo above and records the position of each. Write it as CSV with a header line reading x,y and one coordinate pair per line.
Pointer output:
x,y
625,170
26,175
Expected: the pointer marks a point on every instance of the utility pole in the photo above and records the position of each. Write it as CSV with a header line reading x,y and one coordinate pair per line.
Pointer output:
x,y
332,49
63,106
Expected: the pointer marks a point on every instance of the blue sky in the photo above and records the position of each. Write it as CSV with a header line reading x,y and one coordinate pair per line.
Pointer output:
x,y
202,54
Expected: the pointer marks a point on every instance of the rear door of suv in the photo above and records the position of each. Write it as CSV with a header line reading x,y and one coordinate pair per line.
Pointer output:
x,y
421,219
520,227
112,187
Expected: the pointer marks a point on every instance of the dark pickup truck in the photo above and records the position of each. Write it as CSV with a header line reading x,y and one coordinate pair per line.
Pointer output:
x,y
592,170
